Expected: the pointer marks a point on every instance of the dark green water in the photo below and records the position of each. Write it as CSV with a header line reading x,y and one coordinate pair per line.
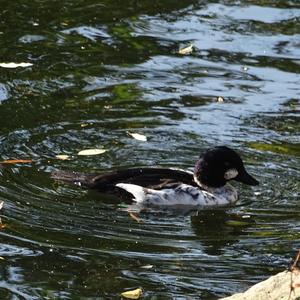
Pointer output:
x,y
103,68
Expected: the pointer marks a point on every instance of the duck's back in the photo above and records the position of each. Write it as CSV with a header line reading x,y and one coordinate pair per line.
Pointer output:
x,y
154,178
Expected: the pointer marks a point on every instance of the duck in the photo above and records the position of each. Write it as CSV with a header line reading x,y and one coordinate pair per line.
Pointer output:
x,y
207,186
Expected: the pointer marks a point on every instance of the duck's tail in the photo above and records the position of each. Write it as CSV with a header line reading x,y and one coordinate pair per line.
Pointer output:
x,y
77,178
138,192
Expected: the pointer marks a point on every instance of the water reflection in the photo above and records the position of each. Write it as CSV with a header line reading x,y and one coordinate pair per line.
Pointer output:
x,y
219,229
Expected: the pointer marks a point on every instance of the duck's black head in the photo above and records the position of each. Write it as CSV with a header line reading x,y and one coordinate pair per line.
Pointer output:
x,y
218,165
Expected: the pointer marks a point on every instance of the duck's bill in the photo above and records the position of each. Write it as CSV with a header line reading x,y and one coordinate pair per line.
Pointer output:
x,y
246,178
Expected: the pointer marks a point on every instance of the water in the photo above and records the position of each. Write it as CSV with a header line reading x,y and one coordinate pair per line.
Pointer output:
x,y
103,69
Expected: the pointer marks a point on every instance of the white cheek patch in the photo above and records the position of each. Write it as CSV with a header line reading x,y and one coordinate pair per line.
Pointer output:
x,y
230,174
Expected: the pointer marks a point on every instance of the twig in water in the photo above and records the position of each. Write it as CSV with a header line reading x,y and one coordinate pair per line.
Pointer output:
x,y
294,269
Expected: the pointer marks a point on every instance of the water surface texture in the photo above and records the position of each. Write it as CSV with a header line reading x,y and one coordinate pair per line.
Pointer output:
x,y
101,69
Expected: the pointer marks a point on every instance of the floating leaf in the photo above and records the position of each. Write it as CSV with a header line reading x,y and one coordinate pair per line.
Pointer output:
x,y
134,217
139,137
2,258
62,156
1,204
236,223
15,65
91,151
134,294
220,99
147,267
16,161
186,50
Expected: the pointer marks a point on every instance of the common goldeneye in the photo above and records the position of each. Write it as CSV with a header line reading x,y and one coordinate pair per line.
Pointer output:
x,y
206,186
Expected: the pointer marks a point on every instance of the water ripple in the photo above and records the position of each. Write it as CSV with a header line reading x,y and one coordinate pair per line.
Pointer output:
x,y
101,70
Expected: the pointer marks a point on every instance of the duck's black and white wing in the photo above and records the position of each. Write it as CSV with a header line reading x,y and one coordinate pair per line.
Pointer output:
x,y
155,178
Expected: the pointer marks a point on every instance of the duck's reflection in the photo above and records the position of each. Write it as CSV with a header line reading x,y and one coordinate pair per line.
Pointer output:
x,y
219,229
216,229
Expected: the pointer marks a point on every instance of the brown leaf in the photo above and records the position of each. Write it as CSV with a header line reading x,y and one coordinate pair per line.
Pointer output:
x,y
16,161
134,217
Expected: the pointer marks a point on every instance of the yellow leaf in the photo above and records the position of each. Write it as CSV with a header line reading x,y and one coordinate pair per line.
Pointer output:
x,y
186,50
147,267
134,294
236,223
62,156
2,258
91,152
15,65
139,137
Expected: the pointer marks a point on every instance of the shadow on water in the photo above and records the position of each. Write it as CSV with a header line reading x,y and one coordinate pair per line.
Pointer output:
x,y
103,69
